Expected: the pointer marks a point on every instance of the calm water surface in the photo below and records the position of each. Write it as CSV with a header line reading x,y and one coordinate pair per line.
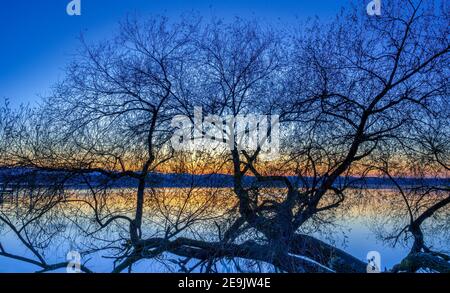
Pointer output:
x,y
357,226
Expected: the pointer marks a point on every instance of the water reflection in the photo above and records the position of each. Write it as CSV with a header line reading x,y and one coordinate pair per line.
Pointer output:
x,y
51,223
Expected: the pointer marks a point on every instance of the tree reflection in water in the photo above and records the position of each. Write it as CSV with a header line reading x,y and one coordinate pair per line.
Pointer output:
x,y
50,223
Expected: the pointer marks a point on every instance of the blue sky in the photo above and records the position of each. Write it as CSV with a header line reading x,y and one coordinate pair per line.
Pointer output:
x,y
38,37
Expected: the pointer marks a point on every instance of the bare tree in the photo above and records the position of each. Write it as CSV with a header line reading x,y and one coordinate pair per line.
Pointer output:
x,y
428,197
347,94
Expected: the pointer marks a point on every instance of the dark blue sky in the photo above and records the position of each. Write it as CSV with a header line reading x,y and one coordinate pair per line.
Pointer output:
x,y
38,37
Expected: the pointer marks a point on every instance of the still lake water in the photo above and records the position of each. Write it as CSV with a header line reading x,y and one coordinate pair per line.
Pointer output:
x,y
358,226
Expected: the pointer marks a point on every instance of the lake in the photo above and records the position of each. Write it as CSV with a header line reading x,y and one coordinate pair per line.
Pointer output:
x,y
357,226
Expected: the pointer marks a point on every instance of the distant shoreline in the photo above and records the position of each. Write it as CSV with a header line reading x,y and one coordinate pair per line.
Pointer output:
x,y
24,177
